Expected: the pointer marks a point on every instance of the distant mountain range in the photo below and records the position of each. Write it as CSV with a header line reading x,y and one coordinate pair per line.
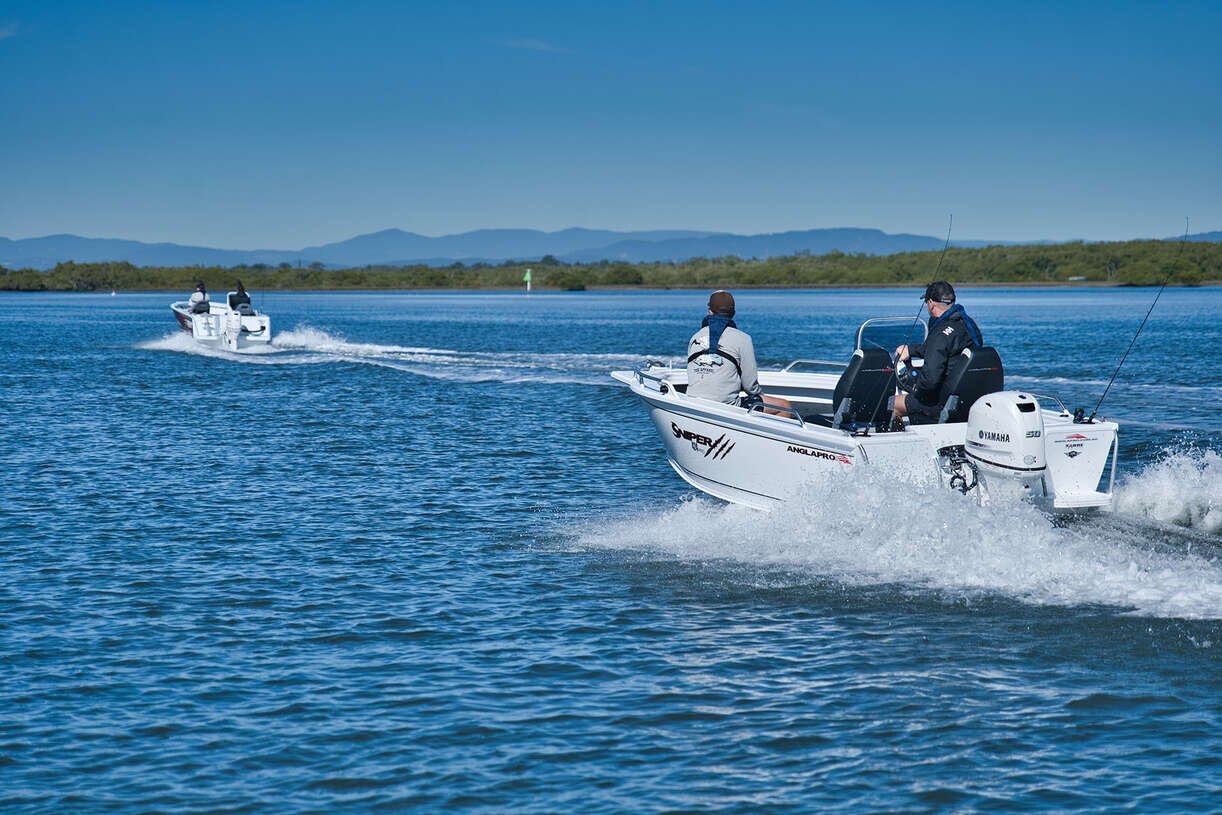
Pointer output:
x,y
395,247
1205,237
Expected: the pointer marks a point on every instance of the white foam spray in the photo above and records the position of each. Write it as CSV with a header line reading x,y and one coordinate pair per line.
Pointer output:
x,y
307,338
183,343
305,345
1183,488
863,528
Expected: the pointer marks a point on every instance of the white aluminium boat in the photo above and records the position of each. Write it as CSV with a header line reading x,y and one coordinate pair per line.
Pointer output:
x,y
229,324
990,441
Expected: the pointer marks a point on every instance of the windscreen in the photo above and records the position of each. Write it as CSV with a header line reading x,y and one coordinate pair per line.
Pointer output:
x,y
889,333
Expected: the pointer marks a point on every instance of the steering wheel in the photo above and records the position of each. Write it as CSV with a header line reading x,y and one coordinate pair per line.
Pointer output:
x,y
904,379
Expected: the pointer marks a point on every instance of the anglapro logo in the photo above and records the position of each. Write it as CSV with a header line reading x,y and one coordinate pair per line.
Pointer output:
x,y
816,453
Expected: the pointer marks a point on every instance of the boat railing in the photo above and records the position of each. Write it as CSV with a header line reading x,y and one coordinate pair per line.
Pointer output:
x,y
1042,396
643,371
827,362
770,412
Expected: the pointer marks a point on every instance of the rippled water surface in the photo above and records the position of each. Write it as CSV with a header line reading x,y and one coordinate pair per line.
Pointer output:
x,y
423,554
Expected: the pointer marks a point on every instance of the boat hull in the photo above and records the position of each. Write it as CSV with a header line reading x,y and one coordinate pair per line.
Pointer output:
x,y
760,460
222,327
183,318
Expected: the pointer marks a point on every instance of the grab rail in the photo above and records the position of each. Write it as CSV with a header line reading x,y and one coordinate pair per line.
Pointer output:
x,y
641,371
1060,404
813,362
763,407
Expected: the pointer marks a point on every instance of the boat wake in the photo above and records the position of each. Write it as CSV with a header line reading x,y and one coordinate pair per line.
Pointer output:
x,y
183,343
1182,488
952,547
1195,406
312,346
1097,385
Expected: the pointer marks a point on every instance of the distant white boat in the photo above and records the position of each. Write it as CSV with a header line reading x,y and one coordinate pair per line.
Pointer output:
x,y
229,324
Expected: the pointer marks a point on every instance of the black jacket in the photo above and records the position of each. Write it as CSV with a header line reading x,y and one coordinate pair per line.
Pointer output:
x,y
948,336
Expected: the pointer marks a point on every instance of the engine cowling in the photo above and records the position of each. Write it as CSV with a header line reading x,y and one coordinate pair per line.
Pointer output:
x,y
1005,434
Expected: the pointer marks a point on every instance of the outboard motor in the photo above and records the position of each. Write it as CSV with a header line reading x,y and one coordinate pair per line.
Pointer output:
x,y
1005,440
233,330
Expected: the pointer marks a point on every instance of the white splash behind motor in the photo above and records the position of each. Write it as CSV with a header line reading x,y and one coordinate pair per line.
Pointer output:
x,y
1005,440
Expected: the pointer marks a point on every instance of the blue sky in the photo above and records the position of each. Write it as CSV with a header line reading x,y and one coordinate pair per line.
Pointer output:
x,y
279,125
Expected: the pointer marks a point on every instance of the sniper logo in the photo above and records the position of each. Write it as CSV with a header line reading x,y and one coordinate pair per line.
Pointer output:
x,y
719,448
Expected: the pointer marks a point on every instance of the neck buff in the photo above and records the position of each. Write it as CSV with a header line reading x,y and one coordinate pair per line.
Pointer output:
x,y
967,321
716,323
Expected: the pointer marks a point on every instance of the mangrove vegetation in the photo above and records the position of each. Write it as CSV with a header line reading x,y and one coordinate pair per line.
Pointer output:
x,y
1131,263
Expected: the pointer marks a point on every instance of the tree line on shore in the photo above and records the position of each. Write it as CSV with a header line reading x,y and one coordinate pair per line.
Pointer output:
x,y
1131,263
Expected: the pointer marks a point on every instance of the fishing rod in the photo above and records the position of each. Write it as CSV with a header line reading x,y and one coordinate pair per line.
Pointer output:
x,y
949,223
915,322
1133,341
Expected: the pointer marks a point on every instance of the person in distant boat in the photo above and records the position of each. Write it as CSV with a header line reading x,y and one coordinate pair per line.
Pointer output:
x,y
239,298
721,359
199,299
950,331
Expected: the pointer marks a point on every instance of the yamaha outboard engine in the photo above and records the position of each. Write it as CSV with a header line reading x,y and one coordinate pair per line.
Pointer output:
x,y
1005,440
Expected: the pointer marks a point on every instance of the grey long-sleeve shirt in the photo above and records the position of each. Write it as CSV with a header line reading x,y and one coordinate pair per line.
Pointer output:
x,y
712,376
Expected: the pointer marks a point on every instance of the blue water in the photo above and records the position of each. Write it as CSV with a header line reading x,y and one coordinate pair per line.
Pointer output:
x,y
424,555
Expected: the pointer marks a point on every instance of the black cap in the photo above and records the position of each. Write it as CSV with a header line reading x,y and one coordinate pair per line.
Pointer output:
x,y
940,292
200,287
722,302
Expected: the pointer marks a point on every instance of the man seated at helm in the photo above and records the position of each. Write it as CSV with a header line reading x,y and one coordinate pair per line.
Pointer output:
x,y
239,298
721,359
950,331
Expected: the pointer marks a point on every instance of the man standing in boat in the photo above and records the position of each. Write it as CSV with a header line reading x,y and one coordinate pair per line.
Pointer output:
x,y
950,331
721,359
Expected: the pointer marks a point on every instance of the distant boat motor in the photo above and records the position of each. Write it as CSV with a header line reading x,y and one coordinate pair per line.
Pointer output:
x,y
1005,440
233,330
